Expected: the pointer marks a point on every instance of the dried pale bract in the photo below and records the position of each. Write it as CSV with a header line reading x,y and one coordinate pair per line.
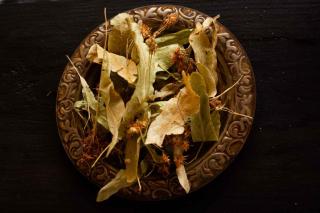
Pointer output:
x,y
115,109
117,183
125,68
101,116
87,94
204,52
181,37
179,162
183,178
120,34
174,114
202,128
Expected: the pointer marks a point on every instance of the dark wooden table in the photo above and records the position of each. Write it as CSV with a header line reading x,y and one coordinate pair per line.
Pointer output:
x,y
278,170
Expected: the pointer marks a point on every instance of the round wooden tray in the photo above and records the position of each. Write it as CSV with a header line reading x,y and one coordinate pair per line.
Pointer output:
x,y
232,63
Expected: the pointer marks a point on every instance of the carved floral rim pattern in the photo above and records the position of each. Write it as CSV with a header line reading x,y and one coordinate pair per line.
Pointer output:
x,y
203,170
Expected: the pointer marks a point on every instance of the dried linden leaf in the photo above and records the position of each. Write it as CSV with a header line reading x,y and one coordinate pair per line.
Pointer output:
x,y
211,82
182,177
114,104
204,51
115,109
146,77
202,128
163,56
89,101
181,37
119,36
125,68
101,116
117,183
87,94
180,170
124,178
215,118
174,114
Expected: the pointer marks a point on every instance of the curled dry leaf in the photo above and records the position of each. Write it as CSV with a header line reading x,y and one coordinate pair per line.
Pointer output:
x,y
210,82
119,36
117,183
101,116
202,128
87,93
179,162
89,101
146,77
167,90
203,46
125,68
115,109
113,102
174,114
183,178
181,37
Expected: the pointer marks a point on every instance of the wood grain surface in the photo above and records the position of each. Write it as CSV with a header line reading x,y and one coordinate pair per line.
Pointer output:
x,y
278,170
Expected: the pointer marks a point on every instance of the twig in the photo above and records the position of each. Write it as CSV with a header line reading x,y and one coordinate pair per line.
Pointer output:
x,y
98,158
147,175
233,112
139,184
227,90
197,154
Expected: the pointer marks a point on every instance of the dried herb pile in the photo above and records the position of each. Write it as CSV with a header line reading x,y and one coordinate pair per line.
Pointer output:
x,y
167,99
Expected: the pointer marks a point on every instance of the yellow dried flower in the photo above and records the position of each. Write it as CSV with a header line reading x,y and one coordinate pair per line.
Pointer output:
x,y
168,21
179,160
151,42
185,145
165,158
137,127
215,103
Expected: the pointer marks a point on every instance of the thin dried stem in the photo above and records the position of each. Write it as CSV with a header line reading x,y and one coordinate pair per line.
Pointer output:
x,y
227,90
139,184
197,154
102,69
106,26
98,158
147,175
233,112
128,48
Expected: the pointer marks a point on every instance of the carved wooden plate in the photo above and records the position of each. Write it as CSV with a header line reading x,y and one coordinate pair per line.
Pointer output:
x,y
232,63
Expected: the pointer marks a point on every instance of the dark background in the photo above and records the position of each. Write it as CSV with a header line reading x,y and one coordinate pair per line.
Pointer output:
x,y
278,169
